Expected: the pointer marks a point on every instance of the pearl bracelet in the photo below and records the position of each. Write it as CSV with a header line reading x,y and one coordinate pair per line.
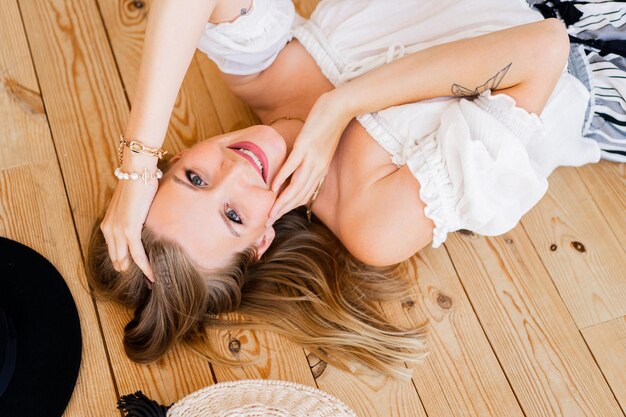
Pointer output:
x,y
145,175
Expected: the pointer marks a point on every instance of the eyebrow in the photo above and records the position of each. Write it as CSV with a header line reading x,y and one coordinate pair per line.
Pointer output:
x,y
222,216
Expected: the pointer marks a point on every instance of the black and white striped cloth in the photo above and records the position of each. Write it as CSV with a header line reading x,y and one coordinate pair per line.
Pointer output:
x,y
597,30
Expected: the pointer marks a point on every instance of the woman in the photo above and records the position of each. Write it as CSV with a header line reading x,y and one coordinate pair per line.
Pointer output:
x,y
454,164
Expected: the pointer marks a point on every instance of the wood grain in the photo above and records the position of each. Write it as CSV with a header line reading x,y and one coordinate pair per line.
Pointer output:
x,y
33,205
537,343
368,393
607,342
461,375
273,356
578,248
606,182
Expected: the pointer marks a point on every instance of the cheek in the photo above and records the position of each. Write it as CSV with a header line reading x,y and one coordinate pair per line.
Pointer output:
x,y
259,204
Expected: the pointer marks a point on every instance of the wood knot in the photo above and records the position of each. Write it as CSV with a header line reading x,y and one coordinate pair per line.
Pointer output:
x,y
317,365
408,304
138,4
234,345
466,232
508,240
444,301
553,247
578,246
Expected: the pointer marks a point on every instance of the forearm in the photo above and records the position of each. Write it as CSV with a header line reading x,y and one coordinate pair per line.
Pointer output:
x,y
528,55
172,33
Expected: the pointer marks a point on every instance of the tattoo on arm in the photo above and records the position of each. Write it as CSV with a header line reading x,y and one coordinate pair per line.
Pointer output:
x,y
490,84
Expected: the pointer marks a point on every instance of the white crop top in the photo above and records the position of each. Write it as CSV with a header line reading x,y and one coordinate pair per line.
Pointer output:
x,y
252,42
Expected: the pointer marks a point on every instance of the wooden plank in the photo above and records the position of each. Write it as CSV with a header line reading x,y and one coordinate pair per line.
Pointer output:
x,y
369,394
274,356
606,182
232,112
537,343
461,375
607,342
579,249
33,205
87,108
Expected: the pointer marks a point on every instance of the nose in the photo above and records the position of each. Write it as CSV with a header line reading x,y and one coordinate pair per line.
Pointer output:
x,y
234,170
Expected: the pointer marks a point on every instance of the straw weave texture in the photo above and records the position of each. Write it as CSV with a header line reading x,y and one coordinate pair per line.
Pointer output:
x,y
258,397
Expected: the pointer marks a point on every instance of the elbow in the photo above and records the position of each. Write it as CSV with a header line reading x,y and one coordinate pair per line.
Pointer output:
x,y
557,37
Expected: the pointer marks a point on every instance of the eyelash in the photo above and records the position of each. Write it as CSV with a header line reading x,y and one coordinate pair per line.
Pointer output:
x,y
189,174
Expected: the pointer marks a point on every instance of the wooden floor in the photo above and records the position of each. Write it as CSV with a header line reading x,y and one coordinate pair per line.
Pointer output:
x,y
532,323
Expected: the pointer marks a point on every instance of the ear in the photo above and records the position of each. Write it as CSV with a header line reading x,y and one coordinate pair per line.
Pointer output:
x,y
264,241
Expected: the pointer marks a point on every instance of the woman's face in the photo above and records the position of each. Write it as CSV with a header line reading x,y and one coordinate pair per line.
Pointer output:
x,y
215,198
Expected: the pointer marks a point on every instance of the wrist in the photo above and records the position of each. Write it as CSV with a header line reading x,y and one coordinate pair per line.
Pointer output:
x,y
136,161
338,103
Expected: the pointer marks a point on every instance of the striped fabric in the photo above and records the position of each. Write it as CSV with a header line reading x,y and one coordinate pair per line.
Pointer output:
x,y
597,30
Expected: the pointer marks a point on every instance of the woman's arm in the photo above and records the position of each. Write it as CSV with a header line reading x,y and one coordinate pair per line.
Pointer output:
x,y
172,33
524,62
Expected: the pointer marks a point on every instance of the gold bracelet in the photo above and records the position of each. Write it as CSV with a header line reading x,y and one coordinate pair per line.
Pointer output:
x,y
138,147
309,206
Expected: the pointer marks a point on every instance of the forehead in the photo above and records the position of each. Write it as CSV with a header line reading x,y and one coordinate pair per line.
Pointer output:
x,y
193,219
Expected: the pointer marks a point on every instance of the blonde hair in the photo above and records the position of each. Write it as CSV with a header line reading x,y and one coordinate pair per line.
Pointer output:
x,y
325,299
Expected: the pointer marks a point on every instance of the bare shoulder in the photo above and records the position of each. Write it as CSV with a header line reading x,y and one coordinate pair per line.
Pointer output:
x,y
379,216
386,224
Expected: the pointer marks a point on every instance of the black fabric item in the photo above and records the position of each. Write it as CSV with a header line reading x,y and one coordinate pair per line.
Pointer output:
x,y
604,48
37,302
138,405
567,11
569,14
8,351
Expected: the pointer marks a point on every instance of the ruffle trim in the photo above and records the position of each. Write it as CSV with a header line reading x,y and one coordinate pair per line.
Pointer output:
x,y
436,190
382,132
312,38
503,107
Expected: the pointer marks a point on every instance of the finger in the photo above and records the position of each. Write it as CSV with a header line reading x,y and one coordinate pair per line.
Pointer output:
x,y
295,195
111,247
291,164
138,253
121,252
285,197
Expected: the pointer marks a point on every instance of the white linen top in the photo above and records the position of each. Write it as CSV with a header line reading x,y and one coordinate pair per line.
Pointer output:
x,y
252,42
481,164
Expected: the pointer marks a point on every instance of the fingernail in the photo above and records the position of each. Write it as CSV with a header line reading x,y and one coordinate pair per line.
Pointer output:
x,y
269,223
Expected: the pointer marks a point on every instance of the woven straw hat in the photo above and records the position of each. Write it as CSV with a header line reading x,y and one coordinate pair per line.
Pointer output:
x,y
258,397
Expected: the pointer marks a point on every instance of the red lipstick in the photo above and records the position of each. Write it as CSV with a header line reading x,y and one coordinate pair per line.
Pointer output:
x,y
257,151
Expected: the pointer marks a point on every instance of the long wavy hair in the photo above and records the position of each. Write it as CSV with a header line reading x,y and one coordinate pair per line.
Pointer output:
x,y
306,286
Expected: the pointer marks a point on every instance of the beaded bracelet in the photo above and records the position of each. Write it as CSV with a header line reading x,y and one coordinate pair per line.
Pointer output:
x,y
145,175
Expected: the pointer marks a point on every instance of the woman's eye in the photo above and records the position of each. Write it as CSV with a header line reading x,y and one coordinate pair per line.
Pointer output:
x,y
194,179
233,216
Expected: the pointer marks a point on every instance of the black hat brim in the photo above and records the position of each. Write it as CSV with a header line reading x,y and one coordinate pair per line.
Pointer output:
x,y
39,304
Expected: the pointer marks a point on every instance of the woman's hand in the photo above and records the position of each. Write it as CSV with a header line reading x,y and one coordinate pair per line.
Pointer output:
x,y
311,155
124,221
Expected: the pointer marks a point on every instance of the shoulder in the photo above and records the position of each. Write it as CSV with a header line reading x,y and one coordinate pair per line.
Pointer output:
x,y
384,224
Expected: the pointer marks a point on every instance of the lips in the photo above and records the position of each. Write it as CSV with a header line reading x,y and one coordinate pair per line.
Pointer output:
x,y
257,151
